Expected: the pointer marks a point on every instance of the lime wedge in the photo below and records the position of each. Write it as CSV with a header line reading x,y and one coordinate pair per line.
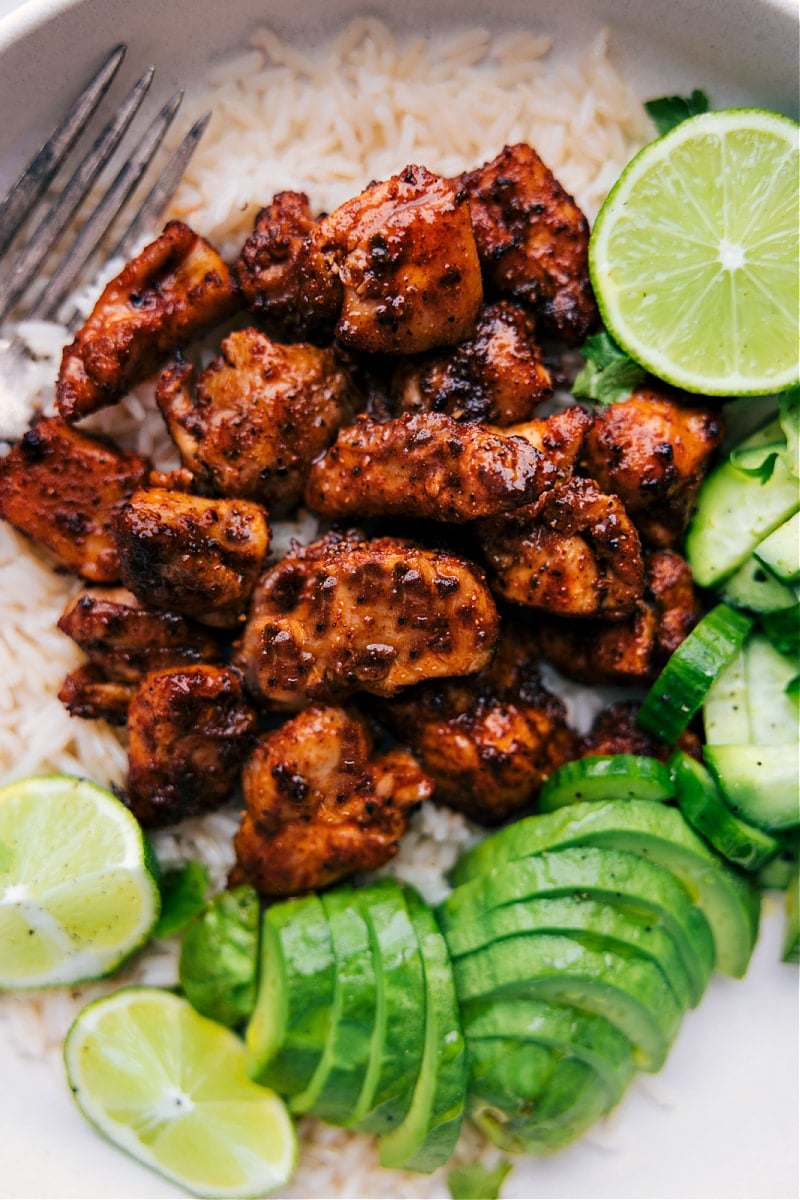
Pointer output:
x,y
77,893
169,1087
694,255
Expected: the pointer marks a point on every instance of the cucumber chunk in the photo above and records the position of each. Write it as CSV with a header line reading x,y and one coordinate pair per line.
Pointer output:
x,y
596,925
654,832
706,811
760,783
748,702
426,1137
288,1031
783,630
791,937
780,551
627,990
606,777
752,587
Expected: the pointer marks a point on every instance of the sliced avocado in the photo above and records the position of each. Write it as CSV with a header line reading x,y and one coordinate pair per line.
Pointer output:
x,y
654,832
427,1135
500,1071
760,783
627,990
614,877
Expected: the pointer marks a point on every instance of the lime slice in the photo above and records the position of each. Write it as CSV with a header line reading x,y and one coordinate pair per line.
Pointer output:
x,y
169,1087
77,893
694,255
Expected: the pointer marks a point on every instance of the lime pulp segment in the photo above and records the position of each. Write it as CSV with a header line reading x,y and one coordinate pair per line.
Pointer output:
x,y
694,256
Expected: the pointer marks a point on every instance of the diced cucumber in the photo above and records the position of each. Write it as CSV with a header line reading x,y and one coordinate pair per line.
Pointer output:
x,y
752,587
614,877
567,1030
288,1031
760,783
726,714
783,631
606,777
653,831
427,1135
706,811
400,1008
748,701
791,938
736,510
335,1088
596,925
780,551
625,989
778,873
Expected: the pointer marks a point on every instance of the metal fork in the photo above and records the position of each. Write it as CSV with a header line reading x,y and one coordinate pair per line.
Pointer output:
x,y
20,267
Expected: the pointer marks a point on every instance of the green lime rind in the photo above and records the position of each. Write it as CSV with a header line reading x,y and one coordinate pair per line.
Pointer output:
x,y
78,889
694,255
169,1087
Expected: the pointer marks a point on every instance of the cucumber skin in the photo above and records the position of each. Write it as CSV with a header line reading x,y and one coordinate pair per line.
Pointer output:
x,y
780,551
760,783
704,808
605,777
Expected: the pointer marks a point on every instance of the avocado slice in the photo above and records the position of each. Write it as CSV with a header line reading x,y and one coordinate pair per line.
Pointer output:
x,y
652,831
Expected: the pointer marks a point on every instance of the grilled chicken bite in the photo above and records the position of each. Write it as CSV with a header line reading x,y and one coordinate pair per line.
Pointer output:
x,y
573,552
532,241
405,254
192,555
559,437
189,731
64,490
488,741
347,615
496,376
615,731
425,465
88,693
653,453
176,289
636,648
321,805
261,413
283,277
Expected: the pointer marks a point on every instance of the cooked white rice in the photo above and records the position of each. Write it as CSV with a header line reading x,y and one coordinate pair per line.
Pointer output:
x,y
325,124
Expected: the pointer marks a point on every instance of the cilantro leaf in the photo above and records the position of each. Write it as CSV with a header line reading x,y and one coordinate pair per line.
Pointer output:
x,y
473,1181
183,893
668,111
609,375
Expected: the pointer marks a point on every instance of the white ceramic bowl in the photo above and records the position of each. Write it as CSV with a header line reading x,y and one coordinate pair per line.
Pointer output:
x,y
721,1120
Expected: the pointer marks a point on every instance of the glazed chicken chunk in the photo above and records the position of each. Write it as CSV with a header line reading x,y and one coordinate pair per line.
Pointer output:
x,y
495,376
283,277
87,693
321,804
653,453
426,465
195,556
189,731
347,615
574,552
260,414
533,241
64,490
176,289
405,254
559,437
489,741
635,649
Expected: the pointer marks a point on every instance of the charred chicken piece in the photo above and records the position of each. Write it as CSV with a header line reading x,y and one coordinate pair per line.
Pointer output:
x,y
405,253
321,805
635,649
88,693
64,489
347,615
176,289
496,376
190,729
283,277
426,465
615,731
124,639
532,241
489,741
653,453
191,555
573,552
559,437
261,413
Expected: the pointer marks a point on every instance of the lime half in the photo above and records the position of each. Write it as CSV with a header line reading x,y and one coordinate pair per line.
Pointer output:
x,y
77,894
694,255
169,1087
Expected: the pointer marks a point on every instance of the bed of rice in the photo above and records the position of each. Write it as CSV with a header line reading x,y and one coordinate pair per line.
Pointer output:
x,y
327,125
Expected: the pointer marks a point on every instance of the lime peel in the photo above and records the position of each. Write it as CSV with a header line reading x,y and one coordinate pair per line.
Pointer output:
x,y
694,255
